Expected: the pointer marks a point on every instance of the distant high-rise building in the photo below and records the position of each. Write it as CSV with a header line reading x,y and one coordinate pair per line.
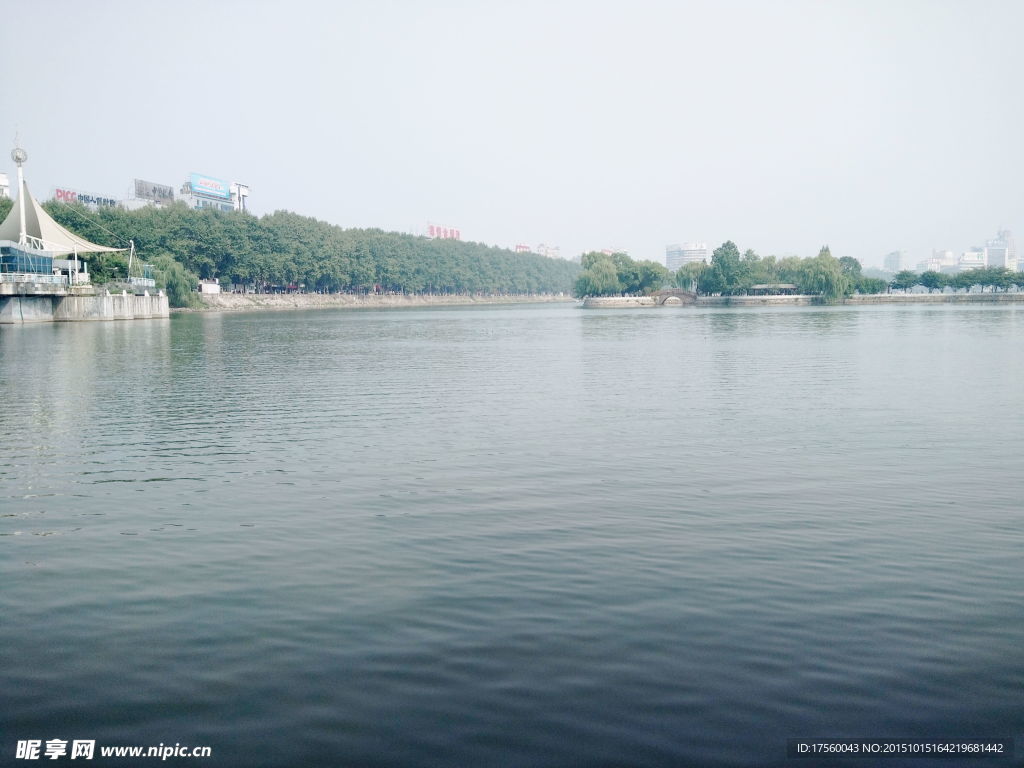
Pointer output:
x,y
1001,251
945,261
999,256
894,261
1006,236
673,256
678,254
973,259
5,186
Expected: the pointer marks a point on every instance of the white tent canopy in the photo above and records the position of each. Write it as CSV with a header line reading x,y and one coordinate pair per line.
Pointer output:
x,y
44,231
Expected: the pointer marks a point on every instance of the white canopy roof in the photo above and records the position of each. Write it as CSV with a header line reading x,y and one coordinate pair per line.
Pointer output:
x,y
39,225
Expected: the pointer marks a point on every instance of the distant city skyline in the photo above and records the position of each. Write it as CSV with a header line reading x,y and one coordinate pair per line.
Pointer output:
x,y
1000,251
785,127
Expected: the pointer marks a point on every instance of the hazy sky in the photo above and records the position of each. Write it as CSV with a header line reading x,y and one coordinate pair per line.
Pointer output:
x,y
870,126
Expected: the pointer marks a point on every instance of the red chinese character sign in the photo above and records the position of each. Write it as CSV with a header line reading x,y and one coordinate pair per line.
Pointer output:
x,y
443,233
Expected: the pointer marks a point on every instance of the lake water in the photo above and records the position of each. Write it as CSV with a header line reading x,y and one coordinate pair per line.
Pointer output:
x,y
514,536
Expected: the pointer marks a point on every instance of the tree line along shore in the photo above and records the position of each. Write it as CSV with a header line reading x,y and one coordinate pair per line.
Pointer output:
x,y
731,273
284,251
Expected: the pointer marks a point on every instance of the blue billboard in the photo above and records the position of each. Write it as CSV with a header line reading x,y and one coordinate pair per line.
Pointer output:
x,y
207,186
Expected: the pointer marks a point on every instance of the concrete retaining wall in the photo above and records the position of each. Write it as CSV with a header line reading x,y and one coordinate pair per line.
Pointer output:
x,y
118,306
26,309
619,302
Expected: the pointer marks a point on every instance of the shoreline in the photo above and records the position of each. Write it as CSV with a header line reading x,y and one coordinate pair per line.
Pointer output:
x,y
632,302
276,302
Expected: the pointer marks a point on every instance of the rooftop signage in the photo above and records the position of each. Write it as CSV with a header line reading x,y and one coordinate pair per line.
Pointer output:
x,y
147,190
62,195
444,233
207,186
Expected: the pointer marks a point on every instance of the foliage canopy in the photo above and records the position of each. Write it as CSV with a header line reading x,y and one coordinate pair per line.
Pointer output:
x,y
998,278
286,249
616,274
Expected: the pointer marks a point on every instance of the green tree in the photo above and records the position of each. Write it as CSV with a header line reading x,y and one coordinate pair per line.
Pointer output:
x,y
871,285
107,267
724,274
598,278
630,277
757,270
628,272
652,276
1000,277
850,267
987,277
283,247
179,283
904,280
688,274
933,280
824,277
789,269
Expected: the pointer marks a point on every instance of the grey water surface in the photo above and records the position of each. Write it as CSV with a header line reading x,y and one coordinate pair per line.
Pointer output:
x,y
514,536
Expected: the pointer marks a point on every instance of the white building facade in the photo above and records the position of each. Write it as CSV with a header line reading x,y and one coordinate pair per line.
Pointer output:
x,y
676,255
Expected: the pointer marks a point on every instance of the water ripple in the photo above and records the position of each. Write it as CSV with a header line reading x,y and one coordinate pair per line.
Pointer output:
x,y
533,536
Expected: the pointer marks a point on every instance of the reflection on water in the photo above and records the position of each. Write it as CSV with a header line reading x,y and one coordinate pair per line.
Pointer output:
x,y
533,535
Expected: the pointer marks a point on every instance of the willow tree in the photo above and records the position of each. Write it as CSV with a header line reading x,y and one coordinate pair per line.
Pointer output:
x,y
598,278
824,275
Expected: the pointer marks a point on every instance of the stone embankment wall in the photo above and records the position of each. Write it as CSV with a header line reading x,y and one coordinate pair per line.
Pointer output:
x,y
935,298
626,302
619,302
754,301
263,301
49,309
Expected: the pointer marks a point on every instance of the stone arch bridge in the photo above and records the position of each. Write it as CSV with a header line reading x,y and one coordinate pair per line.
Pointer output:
x,y
674,297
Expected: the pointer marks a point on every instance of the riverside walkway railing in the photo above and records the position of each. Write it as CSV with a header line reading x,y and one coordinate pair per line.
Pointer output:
x,y
32,277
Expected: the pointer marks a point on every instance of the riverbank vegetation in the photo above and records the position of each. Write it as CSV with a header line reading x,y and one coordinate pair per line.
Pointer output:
x,y
616,274
994,278
283,250
733,274
728,274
